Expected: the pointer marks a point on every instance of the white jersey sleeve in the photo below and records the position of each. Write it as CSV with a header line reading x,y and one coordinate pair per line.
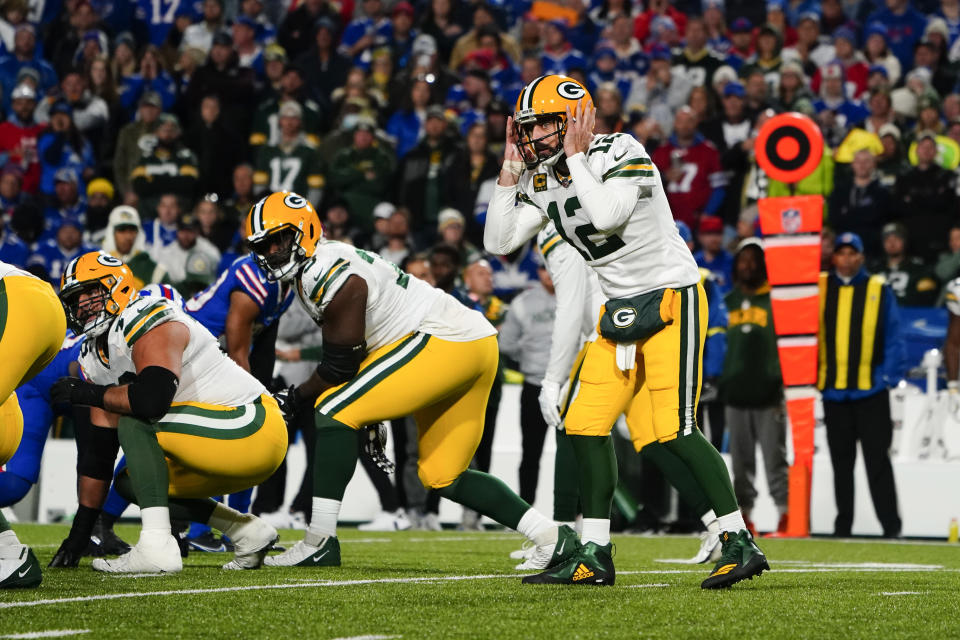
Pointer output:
x,y
952,297
7,269
512,219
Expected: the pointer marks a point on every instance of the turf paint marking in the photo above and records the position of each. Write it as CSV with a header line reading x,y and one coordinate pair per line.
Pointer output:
x,y
654,585
374,637
901,593
56,633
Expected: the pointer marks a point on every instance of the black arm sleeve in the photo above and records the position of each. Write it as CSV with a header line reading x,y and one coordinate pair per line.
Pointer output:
x,y
264,354
341,363
151,393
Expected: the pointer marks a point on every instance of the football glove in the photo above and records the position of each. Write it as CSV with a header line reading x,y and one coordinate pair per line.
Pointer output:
x,y
374,441
550,403
69,554
291,403
72,390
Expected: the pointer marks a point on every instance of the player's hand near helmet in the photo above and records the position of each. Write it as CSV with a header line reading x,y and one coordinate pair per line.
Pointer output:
x,y
579,132
512,160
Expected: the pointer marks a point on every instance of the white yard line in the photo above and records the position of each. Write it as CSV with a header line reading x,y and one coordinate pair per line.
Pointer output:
x,y
647,586
375,637
901,593
56,633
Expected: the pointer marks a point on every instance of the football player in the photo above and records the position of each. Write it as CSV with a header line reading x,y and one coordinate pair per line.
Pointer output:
x,y
578,299
192,423
392,346
32,327
606,199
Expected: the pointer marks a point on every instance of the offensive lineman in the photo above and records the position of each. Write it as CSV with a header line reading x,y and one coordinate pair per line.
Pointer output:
x,y
32,329
191,422
607,200
392,346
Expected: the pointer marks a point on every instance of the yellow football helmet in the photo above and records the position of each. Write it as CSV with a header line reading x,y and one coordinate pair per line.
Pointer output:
x,y
282,230
547,97
107,286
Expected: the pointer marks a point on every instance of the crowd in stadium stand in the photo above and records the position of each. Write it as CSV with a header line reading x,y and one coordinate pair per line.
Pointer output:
x,y
390,117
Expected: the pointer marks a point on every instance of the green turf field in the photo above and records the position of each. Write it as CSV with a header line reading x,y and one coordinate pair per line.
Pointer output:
x,y
461,585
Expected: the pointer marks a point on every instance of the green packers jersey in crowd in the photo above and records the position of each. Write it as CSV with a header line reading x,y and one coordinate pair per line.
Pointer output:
x,y
266,128
297,168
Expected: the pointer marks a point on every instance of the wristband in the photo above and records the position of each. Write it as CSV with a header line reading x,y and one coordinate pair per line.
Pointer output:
x,y
515,167
953,385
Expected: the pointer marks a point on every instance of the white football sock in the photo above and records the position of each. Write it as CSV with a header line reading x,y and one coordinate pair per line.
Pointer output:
x,y
732,522
537,527
707,518
155,523
225,520
572,524
323,522
8,537
596,530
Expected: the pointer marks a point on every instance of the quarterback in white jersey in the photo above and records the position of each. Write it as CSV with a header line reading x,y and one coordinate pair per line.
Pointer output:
x,y
392,346
192,423
607,200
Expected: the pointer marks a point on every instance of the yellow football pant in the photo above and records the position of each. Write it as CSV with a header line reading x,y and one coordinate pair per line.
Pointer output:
x,y
213,450
660,395
443,384
32,330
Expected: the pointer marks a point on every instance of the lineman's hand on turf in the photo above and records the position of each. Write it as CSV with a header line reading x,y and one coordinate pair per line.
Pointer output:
x,y
580,123
67,556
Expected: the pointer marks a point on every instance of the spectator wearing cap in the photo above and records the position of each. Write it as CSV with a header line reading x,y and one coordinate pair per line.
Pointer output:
x,y
905,26
214,226
134,138
776,17
792,92
812,50
401,34
100,193
452,231
223,77
362,173
877,51
124,239
927,56
324,67
291,88
123,62
695,59
861,357
399,241
631,59
406,124
658,8
274,63
603,70
690,165
265,30
368,27
741,43
212,143
483,15
297,32
928,114
25,56
836,112
151,76
712,256
19,134
926,199
68,203
662,92
730,133
878,79
860,203
58,247
381,224
471,98
751,384
249,51
175,256
201,34
293,164
891,163
913,283
60,48
424,174
854,65
337,224
559,56
62,145
170,167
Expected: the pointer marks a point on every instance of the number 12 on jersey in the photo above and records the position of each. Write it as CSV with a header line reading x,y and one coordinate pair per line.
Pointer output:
x,y
580,238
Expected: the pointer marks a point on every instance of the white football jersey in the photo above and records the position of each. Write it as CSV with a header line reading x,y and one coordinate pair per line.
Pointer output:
x,y
207,374
952,297
397,303
646,252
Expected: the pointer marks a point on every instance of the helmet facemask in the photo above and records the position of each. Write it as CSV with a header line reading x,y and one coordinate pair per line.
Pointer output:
x,y
531,149
279,253
89,307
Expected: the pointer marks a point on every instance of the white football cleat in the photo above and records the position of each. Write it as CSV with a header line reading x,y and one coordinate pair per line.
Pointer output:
x,y
709,549
387,521
151,554
252,540
525,552
303,554
431,522
19,568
